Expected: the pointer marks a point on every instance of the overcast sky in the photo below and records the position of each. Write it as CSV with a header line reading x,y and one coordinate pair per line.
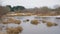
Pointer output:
x,y
31,3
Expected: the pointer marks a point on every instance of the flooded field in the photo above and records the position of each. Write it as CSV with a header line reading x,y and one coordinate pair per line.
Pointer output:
x,y
34,25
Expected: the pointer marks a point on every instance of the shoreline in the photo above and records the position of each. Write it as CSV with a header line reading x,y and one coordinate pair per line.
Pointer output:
x,y
30,14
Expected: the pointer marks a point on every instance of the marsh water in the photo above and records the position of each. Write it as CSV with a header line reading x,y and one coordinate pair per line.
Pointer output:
x,y
41,28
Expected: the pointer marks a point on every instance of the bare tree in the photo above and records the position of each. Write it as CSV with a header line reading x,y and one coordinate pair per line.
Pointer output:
x,y
3,10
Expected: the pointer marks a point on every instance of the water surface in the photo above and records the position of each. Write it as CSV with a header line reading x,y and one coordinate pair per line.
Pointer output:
x,y
41,28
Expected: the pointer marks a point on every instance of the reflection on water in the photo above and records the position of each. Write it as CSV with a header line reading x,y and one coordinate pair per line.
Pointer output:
x,y
41,28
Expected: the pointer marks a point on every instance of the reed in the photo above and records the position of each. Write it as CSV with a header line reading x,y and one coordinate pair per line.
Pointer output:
x,y
35,22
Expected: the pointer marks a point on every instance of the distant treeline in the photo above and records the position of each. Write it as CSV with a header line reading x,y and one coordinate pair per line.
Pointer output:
x,y
15,8
5,9
45,9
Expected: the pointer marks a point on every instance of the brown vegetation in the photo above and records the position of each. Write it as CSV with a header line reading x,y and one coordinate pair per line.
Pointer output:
x,y
42,11
43,21
49,24
15,30
11,20
35,22
3,10
55,24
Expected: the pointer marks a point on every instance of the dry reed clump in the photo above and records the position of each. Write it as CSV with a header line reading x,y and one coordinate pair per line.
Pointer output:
x,y
55,24
49,24
4,22
43,21
11,20
17,22
35,22
16,30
